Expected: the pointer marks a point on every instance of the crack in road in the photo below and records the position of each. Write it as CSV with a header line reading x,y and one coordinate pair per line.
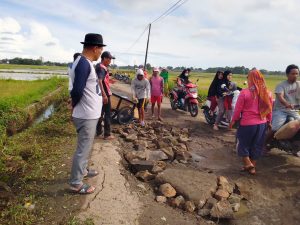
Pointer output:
x,y
101,189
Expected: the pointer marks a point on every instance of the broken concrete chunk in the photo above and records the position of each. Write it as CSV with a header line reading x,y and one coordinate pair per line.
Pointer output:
x,y
167,190
221,194
177,202
156,155
161,199
236,207
131,137
222,210
210,203
235,198
203,212
145,175
159,166
169,152
190,206
194,185
141,165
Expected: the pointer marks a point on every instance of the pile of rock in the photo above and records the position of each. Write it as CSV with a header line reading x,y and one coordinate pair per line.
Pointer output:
x,y
153,146
168,194
221,205
151,150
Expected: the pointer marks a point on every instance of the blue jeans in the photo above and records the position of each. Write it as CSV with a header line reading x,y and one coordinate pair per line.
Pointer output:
x,y
279,118
86,130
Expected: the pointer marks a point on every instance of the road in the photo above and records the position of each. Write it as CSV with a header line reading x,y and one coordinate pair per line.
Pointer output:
x,y
273,195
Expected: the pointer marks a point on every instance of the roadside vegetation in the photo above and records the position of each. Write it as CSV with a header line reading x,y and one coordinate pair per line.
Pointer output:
x,y
205,80
41,67
34,162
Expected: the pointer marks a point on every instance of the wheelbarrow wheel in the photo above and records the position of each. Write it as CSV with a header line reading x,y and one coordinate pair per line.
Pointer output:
x,y
125,115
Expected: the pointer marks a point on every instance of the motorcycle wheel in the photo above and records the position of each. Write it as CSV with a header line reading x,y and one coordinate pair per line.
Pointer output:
x,y
209,119
193,109
173,104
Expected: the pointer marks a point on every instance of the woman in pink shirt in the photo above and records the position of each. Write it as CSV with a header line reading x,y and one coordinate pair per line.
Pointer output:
x,y
253,110
157,90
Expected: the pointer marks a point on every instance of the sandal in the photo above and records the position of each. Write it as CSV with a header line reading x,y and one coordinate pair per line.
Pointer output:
x,y
91,173
252,171
83,189
110,137
247,168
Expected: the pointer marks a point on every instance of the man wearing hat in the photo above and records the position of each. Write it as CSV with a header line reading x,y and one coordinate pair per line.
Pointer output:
x,y
86,110
103,76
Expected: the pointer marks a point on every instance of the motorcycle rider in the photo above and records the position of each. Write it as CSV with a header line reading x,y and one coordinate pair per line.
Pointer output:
x,y
287,96
212,91
222,91
182,80
232,86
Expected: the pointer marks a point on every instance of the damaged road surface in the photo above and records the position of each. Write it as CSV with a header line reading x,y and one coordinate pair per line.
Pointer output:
x,y
165,173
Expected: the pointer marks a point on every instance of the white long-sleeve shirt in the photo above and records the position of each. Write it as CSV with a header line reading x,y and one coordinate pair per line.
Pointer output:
x,y
140,88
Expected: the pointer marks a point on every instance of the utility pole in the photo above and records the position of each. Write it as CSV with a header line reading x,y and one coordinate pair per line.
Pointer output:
x,y
147,47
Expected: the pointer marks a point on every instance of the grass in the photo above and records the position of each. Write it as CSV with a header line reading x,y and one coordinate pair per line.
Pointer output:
x,y
16,96
36,162
19,94
13,66
205,80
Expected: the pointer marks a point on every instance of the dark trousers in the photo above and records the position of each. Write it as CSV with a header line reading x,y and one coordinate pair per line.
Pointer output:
x,y
251,140
106,117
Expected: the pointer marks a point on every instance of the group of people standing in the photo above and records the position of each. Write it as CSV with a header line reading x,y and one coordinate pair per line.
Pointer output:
x,y
220,93
153,89
90,99
258,116
90,92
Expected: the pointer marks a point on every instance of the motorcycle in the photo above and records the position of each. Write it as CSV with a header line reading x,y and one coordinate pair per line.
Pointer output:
x,y
210,117
188,101
291,145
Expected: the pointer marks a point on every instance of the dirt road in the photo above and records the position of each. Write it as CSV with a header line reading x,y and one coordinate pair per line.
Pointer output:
x,y
273,195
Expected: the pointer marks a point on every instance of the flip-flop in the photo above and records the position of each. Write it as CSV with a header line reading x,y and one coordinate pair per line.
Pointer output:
x,y
110,137
247,168
252,171
91,173
83,190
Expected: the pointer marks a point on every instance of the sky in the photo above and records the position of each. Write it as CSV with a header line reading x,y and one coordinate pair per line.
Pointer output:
x,y
201,33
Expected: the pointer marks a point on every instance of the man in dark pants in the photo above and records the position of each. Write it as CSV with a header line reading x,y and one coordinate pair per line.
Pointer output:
x,y
103,76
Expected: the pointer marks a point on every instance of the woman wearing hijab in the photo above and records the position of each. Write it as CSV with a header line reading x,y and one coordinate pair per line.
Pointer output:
x,y
212,91
231,86
222,90
254,111
184,77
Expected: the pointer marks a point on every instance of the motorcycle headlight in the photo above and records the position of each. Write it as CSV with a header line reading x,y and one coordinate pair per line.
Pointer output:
x,y
193,90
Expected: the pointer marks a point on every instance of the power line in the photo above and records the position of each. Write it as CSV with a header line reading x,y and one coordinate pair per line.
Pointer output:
x,y
172,10
175,6
166,11
134,43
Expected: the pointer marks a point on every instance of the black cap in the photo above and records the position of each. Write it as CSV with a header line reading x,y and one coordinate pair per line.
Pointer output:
x,y
107,54
93,40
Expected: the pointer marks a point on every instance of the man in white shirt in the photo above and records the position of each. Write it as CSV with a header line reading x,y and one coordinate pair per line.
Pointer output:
x,y
86,110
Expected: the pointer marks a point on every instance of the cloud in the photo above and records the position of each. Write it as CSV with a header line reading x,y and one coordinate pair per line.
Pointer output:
x,y
261,33
9,25
33,42
50,43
